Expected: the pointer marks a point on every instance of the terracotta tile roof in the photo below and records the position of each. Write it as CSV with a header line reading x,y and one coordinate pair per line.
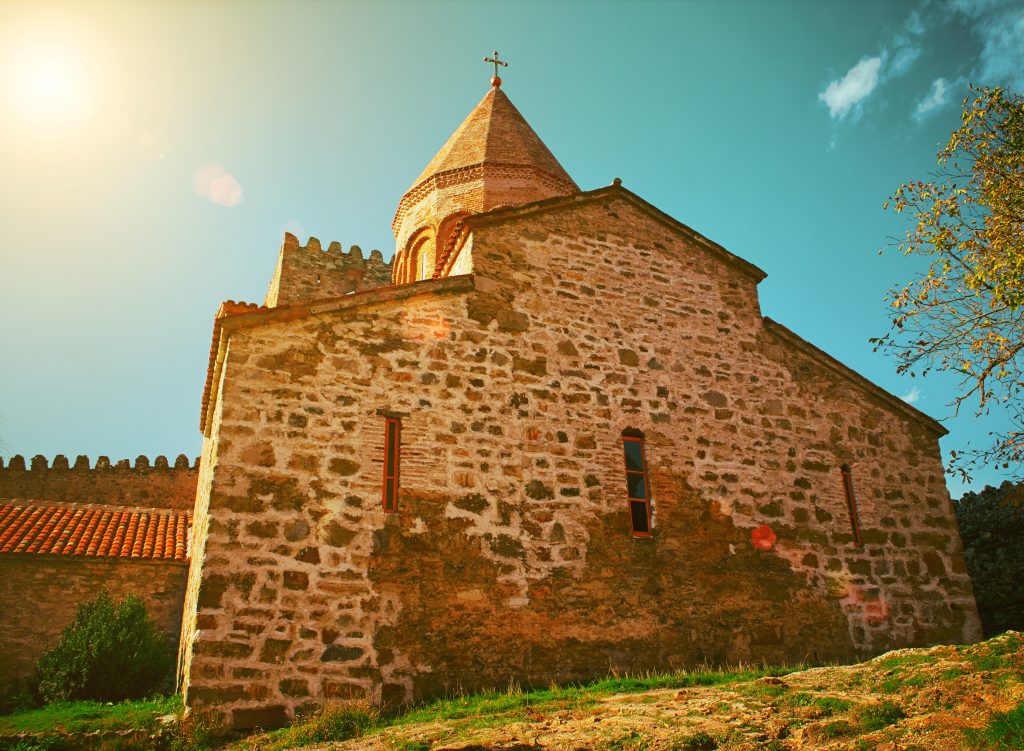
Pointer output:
x,y
495,132
93,530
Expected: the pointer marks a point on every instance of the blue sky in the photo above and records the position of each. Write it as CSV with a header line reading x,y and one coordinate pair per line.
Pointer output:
x,y
154,154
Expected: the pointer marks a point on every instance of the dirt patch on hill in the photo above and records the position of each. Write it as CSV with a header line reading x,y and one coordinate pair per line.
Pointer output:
x,y
943,698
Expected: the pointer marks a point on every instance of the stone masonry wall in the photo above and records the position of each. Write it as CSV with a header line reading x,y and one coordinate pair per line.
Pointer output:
x,y
307,272
40,594
510,555
158,484
761,426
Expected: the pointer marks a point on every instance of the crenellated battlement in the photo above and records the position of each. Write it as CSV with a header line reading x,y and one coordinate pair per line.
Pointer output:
x,y
158,483
308,272
39,462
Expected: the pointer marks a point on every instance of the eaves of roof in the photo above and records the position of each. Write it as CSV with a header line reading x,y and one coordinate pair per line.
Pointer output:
x,y
615,190
53,528
823,358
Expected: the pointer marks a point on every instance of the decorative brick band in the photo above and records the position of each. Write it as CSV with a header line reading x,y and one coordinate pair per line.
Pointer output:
x,y
473,173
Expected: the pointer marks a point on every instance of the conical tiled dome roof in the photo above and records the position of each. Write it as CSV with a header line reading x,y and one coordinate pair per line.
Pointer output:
x,y
494,158
495,133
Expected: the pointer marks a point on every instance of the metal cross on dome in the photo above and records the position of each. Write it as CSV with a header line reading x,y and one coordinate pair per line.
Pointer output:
x,y
496,81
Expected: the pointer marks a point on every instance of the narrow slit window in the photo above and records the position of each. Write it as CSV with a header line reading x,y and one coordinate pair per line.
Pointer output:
x,y
392,443
851,504
637,485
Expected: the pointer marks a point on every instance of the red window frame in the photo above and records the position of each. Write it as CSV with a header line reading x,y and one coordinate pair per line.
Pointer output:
x,y
646,499
851,504
392,457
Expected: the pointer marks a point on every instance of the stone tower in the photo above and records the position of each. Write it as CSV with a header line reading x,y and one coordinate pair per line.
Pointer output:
x,y
493,159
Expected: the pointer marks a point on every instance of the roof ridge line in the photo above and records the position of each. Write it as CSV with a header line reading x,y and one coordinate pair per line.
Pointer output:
x,y
493,94
813,350
43,502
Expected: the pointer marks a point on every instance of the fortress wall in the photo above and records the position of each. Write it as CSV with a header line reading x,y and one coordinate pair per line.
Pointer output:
x,y
155,485
510,556
307,272
40,594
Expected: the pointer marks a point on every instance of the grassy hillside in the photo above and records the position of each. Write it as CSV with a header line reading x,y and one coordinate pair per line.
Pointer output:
x,y
939,699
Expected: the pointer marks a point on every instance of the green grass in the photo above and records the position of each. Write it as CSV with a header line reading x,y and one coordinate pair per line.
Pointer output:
x,y
830,705
493,709
469,718
574,696
698,742
766,691
88,716
836,729
337,722
827,705
902,661
631,741
874,717
409,746
1004,732
995,650
896,683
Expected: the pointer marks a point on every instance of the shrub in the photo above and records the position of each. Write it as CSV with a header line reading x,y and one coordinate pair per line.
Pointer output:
x,y
19,695
110,652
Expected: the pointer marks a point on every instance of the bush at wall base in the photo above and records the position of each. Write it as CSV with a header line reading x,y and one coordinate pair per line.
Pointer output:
x,y
110,652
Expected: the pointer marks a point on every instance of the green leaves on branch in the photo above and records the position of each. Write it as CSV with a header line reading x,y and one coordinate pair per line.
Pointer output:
x,y
965,314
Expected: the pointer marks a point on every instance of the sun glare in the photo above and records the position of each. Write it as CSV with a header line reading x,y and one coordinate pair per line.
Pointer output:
x,y
46,86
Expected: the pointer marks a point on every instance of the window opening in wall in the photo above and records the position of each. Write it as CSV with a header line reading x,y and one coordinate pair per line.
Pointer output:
x,y
392,443
637,484
423,264
851,503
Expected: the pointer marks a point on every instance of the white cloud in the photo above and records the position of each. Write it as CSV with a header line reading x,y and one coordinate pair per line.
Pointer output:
x,y
903,58
913,396
215,184
846,94
936,98
914,24
843,94
1000,26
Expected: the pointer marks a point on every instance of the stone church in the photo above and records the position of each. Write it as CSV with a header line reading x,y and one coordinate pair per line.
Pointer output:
x,y
554,436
